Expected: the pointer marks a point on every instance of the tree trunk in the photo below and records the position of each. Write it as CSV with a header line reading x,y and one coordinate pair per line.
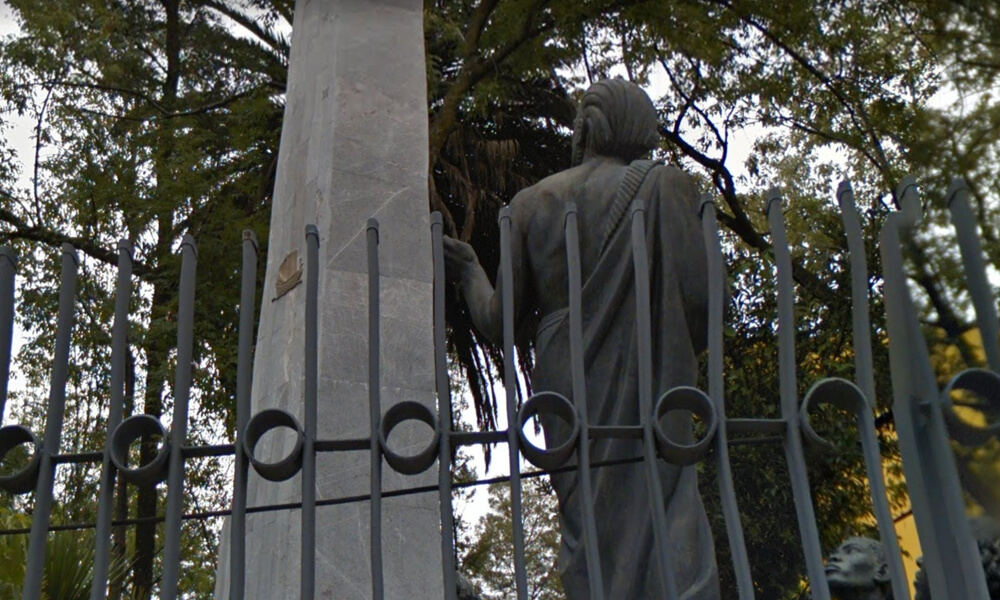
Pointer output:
x,y
119,538
159,344
145,532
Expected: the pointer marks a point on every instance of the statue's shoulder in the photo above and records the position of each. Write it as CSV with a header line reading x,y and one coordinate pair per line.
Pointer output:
x,y
673,183
671,173
547,194
560,182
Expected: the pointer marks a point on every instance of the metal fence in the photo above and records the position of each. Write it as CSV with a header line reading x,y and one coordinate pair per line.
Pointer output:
x,y
925,418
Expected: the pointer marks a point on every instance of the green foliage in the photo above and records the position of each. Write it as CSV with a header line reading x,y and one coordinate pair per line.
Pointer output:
x,y
13,549
69,561
153,120
489,559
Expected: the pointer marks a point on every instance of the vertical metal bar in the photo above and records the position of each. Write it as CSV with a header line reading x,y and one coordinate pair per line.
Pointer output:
x,y
594,575
8,267
865,373
975,271
510,386
244,380
951,556
640,261
716,390
119,351
789,402
310,414
375,402
178,433
444,411
865,376
53,429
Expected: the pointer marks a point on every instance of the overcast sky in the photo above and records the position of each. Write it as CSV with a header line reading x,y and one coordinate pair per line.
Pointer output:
x,y
16,130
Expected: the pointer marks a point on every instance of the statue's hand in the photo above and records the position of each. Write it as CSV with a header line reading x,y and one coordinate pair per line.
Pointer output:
x,y
462,267
459,258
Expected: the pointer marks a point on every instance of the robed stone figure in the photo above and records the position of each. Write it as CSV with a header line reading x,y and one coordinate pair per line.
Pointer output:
x,y
615,129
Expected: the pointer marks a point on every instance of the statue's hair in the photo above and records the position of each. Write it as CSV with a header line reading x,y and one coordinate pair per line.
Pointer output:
x,y
874,546
615,118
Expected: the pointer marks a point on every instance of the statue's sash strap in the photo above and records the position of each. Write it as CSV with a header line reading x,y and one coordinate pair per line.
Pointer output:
x,y
553,318
634,176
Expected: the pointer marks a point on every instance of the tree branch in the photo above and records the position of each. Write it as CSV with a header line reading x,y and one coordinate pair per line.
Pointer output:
x,y
169,114
858,114
24,231
38,151
266,34
477,24
740,223
948,319
475,68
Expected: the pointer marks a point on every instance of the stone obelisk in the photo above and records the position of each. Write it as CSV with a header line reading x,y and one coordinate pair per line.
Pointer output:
x,y
353,147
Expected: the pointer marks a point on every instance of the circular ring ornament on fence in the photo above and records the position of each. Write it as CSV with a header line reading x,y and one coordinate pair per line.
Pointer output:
x,y
696,401
24,479
834,391
555,404
127,433
984,384
397,414
263,422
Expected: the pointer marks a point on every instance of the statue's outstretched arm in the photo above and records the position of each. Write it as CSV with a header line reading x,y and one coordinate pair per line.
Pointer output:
x,y
463,266
484,301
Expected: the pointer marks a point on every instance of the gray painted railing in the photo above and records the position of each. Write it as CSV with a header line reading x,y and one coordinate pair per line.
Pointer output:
x,y
925,419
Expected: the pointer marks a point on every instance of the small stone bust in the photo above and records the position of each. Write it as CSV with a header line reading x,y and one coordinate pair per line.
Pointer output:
x,y
858,570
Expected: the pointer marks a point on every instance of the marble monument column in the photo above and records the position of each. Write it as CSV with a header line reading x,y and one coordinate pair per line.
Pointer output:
x,y
353,147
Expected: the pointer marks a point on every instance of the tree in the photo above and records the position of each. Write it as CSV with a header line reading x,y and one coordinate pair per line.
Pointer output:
x,y
154,119
489,558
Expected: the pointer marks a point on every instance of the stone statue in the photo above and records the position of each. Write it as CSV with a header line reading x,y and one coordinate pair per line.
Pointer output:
x,y
615,128
858,570
987,533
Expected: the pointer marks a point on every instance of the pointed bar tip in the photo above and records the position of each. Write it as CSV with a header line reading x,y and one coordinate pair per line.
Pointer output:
x,y
908,200
69,249
8,253
845,198
773,197
706,200
570,210
127,246
956,186
250,236
844,187
909,182
188,240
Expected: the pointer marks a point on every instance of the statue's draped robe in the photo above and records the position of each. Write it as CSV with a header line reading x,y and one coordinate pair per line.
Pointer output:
x,y
678,279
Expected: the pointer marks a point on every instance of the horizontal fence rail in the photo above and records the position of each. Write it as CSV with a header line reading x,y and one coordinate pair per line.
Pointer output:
x,y
925,418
